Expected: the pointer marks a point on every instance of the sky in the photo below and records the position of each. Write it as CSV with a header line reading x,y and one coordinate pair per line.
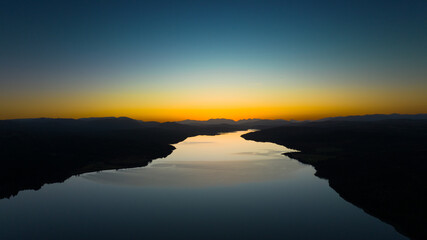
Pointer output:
x,y
176,60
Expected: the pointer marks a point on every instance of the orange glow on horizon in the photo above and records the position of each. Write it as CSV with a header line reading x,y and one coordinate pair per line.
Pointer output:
x,y
214,101
168,115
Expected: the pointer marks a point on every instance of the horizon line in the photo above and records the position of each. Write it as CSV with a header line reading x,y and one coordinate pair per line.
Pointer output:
x,y
219,118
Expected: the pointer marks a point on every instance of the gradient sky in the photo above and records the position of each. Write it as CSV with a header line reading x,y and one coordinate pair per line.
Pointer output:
x,y
174,60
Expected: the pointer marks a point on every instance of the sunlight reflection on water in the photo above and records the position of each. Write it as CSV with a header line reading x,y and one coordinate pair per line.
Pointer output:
x,y
211,187
220,160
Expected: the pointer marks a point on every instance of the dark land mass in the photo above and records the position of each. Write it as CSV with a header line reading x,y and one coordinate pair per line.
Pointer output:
x,y
268,123
244,123
377,117
34,152
380,166
377,162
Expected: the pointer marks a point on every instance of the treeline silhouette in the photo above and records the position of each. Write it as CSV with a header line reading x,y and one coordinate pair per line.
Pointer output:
x,y
39,151
379,166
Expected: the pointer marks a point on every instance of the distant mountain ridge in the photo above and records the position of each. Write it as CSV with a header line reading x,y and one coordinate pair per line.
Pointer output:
x,y
376,117
250,123
125,123
69,124
279,122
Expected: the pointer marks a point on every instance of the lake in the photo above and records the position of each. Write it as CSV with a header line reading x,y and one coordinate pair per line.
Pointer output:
x,y
210,187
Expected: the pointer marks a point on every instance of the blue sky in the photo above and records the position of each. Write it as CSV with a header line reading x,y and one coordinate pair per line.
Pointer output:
x,y
73,46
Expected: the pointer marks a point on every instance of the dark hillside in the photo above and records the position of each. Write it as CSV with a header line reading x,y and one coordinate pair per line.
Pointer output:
x,y
379,166
38,151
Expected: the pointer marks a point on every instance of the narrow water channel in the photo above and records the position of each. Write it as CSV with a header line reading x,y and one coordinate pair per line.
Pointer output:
x,y
210,187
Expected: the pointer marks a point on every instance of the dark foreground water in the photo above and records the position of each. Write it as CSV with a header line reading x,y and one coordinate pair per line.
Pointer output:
x,y
210,187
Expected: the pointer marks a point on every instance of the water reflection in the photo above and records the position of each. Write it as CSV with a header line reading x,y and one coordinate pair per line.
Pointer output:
x,y
210,187
203,161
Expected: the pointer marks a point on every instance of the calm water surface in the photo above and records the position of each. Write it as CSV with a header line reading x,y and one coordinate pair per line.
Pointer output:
x,y
210,187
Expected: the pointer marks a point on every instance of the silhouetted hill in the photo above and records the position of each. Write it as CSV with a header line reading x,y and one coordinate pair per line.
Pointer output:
x,y
268,123
377,117
379,166
263,123
245,123
208,122
38,151
69,125
111,123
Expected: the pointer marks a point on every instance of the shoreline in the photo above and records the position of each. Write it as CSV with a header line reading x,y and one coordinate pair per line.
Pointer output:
x,y
376,166
34,156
